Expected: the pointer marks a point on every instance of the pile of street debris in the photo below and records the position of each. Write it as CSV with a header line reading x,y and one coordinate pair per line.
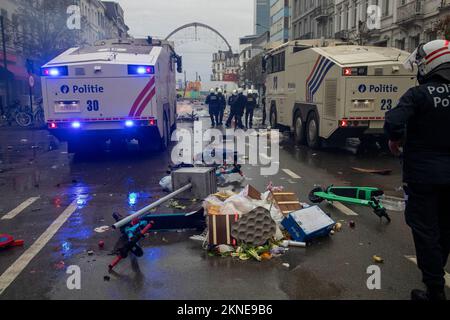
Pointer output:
x,y
260,226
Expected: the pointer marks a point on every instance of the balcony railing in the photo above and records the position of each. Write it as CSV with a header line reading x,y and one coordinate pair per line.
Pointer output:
x,y
409,11
320,13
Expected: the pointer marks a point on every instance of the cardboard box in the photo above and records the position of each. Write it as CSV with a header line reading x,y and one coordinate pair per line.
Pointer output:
x,y
219,229
309,223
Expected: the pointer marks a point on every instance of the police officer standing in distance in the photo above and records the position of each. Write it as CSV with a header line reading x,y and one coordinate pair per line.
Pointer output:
x,y
212,100
250,108
421,124
237,104
222,105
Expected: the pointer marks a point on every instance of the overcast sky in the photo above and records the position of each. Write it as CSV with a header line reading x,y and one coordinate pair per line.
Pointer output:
x,y
232,18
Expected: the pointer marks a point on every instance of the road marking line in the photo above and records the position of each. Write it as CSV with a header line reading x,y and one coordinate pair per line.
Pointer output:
x,y
14,212
344,209
291,174
413,259
20,264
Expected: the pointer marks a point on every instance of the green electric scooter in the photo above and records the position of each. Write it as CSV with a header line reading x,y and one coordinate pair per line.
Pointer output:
x,y
363,196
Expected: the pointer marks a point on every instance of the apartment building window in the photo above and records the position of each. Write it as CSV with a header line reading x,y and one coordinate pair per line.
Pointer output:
x,y
414,42
355,14
345,18
386,8
365,6
400,44
330,28
339,20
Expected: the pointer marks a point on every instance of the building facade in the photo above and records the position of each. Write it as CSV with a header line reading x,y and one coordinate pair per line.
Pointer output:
x,y
116,20
98,21
312,19
225,66
402,23
279,21
261,16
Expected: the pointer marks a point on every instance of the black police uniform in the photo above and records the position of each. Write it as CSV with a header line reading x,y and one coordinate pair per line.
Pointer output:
x,y
422,118
222,105
236,109
249,109
213,102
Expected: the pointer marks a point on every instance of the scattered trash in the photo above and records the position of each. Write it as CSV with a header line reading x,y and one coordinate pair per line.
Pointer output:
x,y
166,183
392,203
101,244
23,140
287,243
201,238
287,265
337,227
8,241
60,265
352,224
254,228
223,248
102,229
309,223
90,252
266,256
270,187
383,172
176,205
377,259
106,278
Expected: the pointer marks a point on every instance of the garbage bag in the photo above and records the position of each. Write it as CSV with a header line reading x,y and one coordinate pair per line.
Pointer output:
x,y
212,205
241,204
166,183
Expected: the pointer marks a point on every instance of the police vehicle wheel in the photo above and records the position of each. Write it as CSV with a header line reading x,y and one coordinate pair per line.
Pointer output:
x,y
312,131
165,141
299,130
273,118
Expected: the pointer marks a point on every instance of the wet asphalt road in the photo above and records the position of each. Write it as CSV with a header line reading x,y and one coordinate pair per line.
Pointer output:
x,y
34,164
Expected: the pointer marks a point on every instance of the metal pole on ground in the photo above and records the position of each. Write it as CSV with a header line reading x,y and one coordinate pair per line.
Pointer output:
x,y
155,204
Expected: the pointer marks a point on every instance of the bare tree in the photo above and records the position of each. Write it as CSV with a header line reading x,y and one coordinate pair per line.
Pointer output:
x,y
44,31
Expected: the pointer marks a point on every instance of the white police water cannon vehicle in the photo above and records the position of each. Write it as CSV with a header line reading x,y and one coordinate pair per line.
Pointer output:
x,y
115,90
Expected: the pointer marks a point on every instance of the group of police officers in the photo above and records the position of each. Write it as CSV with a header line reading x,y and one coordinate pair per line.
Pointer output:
x,y
239,103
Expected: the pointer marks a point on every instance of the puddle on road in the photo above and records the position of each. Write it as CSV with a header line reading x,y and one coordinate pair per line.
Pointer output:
x,y
300,284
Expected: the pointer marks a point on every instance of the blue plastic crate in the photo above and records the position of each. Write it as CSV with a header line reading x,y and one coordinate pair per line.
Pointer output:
x,y
306,224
